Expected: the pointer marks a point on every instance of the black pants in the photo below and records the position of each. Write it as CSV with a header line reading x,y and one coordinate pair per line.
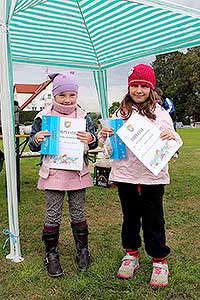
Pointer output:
x,y
143,209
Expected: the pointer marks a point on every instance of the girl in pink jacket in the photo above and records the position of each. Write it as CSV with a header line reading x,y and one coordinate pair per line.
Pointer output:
x,y
57,182
140,191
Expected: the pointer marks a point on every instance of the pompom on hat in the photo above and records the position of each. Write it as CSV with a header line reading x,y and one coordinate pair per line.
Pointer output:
x,y
63,82
142,75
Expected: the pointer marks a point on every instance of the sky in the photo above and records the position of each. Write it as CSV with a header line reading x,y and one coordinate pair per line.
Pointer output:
x,y
117,76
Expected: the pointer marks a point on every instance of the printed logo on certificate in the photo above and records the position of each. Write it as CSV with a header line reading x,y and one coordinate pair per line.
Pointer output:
x,y
143,139
63,147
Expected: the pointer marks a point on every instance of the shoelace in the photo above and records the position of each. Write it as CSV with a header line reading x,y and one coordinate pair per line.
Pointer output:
x,y
127,262
157,271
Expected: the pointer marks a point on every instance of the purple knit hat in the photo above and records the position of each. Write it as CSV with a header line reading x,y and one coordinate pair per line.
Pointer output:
x,y
63,82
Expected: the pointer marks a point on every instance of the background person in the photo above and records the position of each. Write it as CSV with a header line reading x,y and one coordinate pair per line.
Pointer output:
x,y
168,105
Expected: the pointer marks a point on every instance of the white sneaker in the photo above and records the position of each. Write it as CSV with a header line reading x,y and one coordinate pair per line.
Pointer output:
x,y
128,267
159,275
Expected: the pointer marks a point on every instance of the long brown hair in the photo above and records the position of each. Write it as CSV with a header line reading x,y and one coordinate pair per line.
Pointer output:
x,y
146,108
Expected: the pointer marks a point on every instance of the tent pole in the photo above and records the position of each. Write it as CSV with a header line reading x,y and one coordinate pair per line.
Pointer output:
x,y
100,79
7,120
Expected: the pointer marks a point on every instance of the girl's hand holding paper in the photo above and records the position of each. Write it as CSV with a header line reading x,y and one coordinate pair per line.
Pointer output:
x,y
85,137
107,131
41,135
113,146
167,135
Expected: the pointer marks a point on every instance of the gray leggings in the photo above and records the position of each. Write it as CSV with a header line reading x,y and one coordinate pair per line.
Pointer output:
x,y
54,206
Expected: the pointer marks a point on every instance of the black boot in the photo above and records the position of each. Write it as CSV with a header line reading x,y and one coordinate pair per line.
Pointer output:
x,y
52,256
80,234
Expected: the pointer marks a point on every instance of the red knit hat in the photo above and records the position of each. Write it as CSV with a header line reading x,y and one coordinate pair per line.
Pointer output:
x,y
142,74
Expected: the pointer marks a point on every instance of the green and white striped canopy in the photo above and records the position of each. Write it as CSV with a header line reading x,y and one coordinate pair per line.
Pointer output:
x,y
93,34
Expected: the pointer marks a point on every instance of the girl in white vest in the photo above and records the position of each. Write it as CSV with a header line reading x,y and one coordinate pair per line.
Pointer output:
x,y
140,191
56,182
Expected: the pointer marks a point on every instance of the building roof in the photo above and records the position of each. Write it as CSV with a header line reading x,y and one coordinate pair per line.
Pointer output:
x,y
34,89
26,88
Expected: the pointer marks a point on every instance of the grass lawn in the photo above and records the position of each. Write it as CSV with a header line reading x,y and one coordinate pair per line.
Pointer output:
x,y
28,280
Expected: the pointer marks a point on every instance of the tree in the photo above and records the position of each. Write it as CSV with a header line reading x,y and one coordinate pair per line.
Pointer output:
x,y
95,117
115,105
178,75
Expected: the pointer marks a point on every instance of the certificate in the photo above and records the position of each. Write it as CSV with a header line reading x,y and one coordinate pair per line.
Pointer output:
x,y
64,149
118,147
143,139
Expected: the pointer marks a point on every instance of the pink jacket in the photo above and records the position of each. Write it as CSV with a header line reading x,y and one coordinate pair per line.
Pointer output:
x,y
63,180
132,170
